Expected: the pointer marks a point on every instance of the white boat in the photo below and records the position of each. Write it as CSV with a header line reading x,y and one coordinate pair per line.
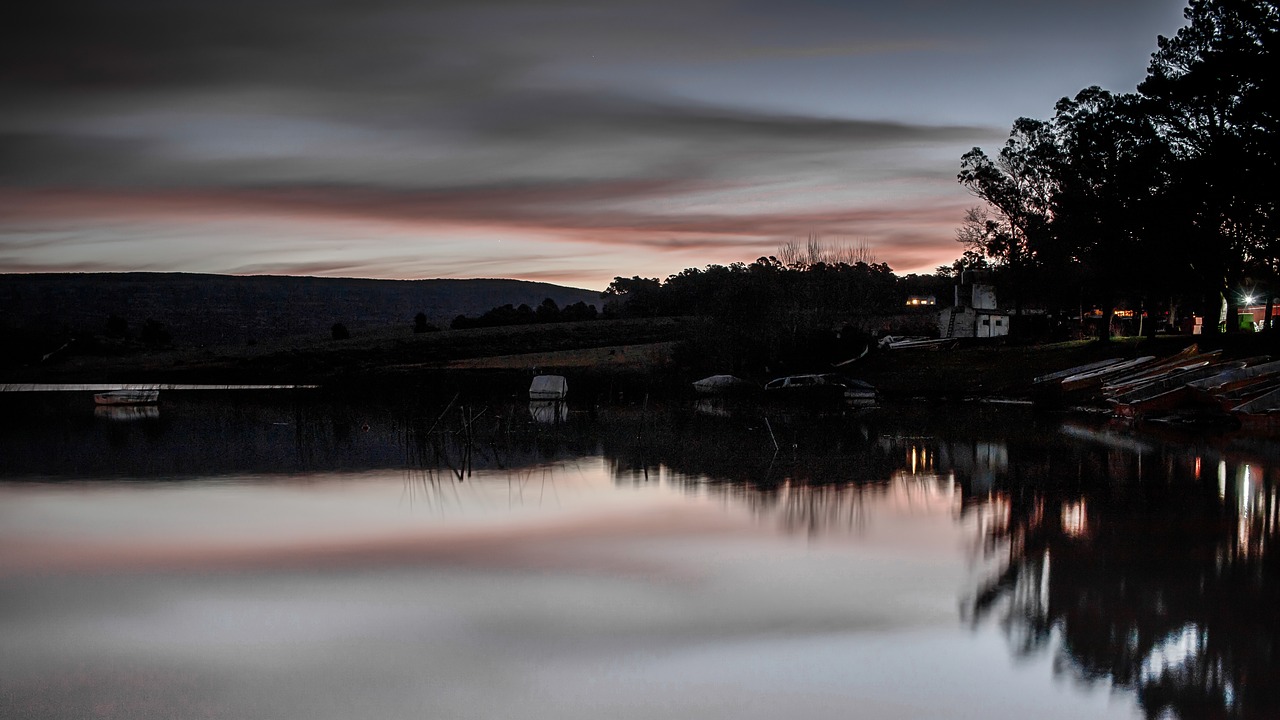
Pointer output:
x,y
721,385
548,387
823,386
127,397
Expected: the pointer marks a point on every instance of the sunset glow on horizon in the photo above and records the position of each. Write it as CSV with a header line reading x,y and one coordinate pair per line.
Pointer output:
x,y
559,142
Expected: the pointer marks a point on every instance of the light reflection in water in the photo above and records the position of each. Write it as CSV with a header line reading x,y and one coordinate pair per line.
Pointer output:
x,y
1075,518
1097,554
1149,581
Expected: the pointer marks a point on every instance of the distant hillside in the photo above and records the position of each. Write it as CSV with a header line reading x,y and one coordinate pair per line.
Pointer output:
x,y
223,309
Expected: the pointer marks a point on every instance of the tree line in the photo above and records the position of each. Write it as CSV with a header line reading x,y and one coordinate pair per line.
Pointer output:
x,y
1158,199
546,312
807,310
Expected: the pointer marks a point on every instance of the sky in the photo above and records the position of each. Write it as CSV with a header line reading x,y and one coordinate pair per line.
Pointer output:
x,y
567,141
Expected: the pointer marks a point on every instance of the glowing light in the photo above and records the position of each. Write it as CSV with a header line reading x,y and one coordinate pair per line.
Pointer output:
x,y
1075,519
1173,653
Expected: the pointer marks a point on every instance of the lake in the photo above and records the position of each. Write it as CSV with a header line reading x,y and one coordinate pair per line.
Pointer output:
x,y
290,555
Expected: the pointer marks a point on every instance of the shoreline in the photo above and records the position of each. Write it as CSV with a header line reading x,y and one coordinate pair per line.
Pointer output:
x,y
605,359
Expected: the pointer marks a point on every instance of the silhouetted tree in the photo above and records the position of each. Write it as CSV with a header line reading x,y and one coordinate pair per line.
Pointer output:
x,y
1018,185
1166,192
420,324
578,311
633,297
1106,196
548,311
339,332
1211,91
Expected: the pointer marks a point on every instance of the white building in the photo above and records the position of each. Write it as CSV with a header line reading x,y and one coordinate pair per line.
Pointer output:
x,y
975,313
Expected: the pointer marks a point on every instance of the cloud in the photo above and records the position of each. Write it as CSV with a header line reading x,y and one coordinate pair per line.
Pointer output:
x,y
522,117
375,267
397,93
565,207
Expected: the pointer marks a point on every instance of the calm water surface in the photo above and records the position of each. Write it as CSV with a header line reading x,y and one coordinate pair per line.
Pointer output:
x,y
247,556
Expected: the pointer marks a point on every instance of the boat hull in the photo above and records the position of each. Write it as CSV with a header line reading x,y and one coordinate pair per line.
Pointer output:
x,y
127,397
548,387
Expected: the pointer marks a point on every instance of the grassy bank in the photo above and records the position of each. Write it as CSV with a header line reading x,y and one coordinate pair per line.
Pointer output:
x,y
615,359
385,357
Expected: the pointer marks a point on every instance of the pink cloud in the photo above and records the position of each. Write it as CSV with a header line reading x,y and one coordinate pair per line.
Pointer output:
x,y
913,235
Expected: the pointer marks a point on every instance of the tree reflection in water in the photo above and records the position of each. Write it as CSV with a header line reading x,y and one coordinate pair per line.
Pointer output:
x,y
1146,565
1138,560
1141,561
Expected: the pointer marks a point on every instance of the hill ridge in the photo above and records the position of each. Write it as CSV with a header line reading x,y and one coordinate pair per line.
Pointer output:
x,y
211,308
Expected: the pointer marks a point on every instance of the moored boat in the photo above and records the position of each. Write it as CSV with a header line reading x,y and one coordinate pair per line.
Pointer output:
x,y
127,397
825,387
548,387
722,385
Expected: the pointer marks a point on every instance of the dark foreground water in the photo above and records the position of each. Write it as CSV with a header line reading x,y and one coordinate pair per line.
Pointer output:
x,y
283,556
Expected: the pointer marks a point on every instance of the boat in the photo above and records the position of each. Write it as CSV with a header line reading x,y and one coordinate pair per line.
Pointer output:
x,y
1166,368
1261,413
1168,392
722,385
1264,404
1236,376
1239,378
548,387
822,387
896,342
1229,398
1094,379
127,397
1077,370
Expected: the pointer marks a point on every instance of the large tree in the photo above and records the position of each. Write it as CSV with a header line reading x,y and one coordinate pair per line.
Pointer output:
x,y
1106,196
1018,185
1211,90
